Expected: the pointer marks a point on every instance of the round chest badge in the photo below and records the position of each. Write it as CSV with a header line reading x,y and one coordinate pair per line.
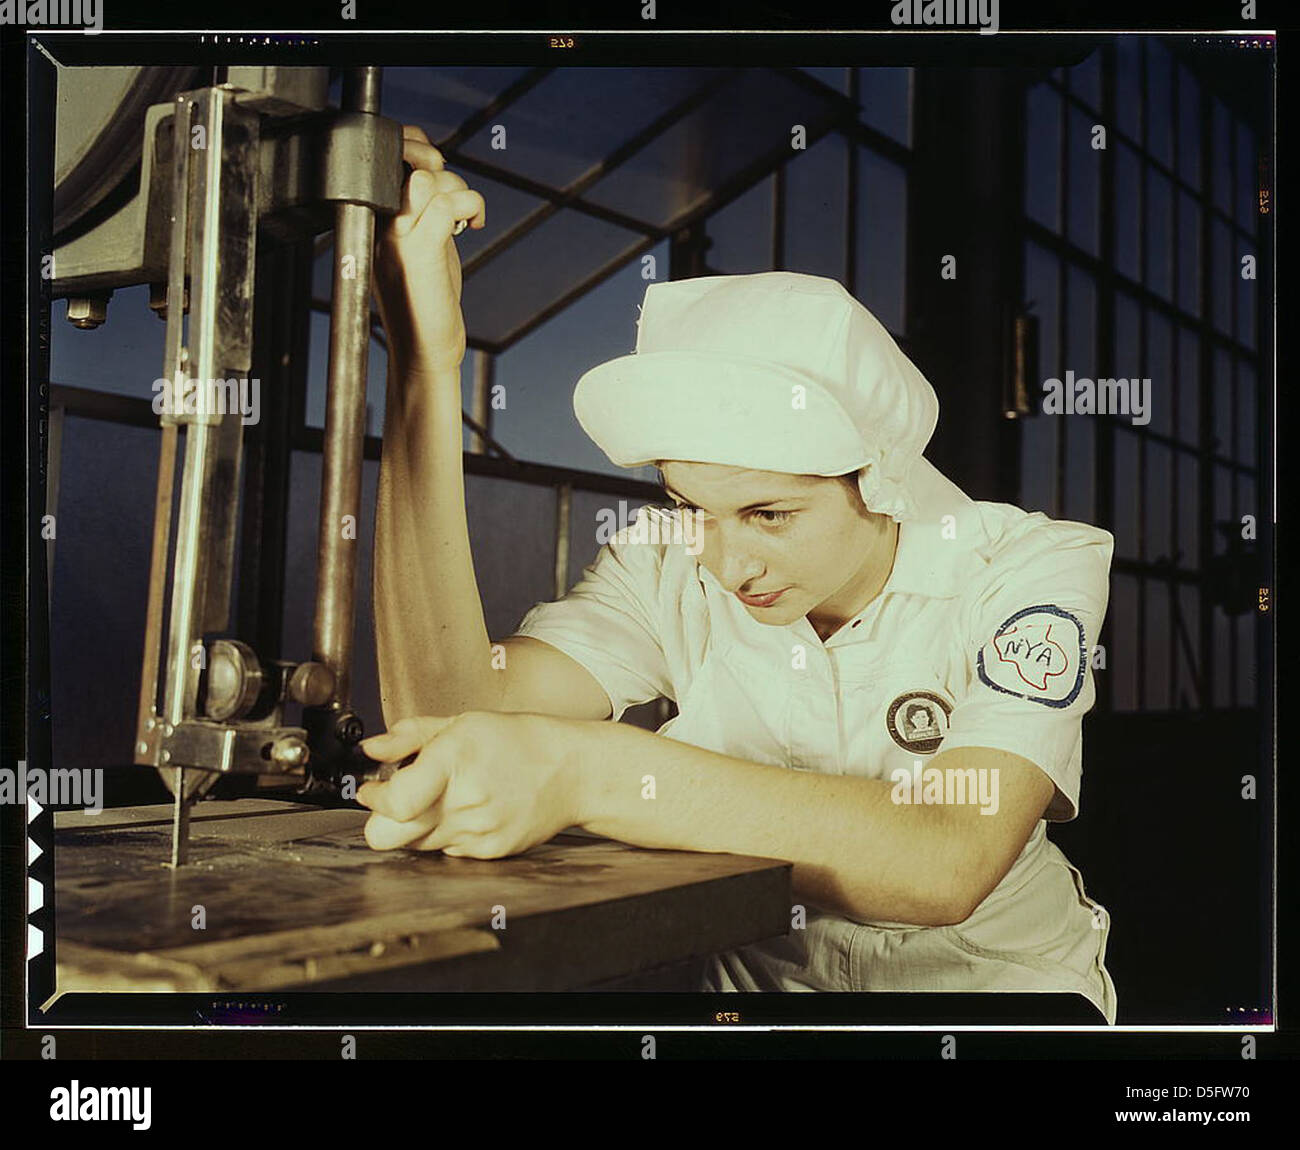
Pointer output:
x,y
918,721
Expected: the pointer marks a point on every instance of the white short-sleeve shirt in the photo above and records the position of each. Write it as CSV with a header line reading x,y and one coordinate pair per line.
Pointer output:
x,y
981,637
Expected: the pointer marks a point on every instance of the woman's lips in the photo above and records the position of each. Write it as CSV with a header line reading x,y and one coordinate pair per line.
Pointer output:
x,y
761,600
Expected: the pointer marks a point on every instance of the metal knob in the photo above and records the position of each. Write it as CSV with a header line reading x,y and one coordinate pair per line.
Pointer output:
x,y
234,680
289,753
311,684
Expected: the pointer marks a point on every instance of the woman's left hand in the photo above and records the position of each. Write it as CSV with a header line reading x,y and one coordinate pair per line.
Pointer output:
x,y
485,784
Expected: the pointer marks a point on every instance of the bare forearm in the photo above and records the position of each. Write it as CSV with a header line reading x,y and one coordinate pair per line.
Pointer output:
x,y
855,851
432,644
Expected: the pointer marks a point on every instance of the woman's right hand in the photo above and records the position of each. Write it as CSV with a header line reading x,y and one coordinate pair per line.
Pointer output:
x,y
417,275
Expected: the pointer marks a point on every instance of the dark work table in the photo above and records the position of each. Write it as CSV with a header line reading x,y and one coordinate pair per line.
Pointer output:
x,y
293,898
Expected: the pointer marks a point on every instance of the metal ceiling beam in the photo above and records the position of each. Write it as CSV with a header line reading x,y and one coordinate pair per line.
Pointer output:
x,y
570,196
509,95
741,182
581,288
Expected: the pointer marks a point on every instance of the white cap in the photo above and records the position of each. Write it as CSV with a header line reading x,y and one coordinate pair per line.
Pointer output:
x,y
777,371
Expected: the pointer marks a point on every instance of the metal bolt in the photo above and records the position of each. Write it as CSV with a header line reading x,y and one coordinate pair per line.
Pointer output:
x,y
166,756
87,312
168,730
150,724
158,299
143,748
349,729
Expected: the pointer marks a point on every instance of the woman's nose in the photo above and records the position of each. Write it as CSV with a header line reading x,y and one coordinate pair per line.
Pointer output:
x,y
736,569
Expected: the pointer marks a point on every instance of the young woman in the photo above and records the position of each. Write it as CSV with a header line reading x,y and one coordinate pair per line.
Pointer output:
x,y
877,678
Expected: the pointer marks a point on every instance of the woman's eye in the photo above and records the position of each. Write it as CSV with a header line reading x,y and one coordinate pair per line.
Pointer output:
x,y
777,517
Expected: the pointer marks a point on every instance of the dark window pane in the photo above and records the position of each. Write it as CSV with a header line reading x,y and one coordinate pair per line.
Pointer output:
x,y
742,233
816,187
1043,157
1127,362
1121,657
1128,86
1160,213
322,273
1222,668
537,375
886,97
1085,80
1128,192
1160,371
1224,520
1083,182
1042,293
1189,387
1221,156
837,78
124,355
1080,470
506,296
440,99
1247,400
1224,276
1126,494
1189,127
1038,444
1160,134
1081,323
511,579
1157,510
560,129
1156,645
1247,290
683,168
1081,357
1247,179
100,585
1188,662
1189,511
1246,504
1038,438
882,228
1221,434
1189,254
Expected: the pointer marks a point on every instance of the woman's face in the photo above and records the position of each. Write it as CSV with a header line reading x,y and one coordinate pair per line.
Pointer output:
x,y
806,538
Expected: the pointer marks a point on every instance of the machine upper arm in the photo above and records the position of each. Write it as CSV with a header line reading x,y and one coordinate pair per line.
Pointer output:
x,y
544,680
